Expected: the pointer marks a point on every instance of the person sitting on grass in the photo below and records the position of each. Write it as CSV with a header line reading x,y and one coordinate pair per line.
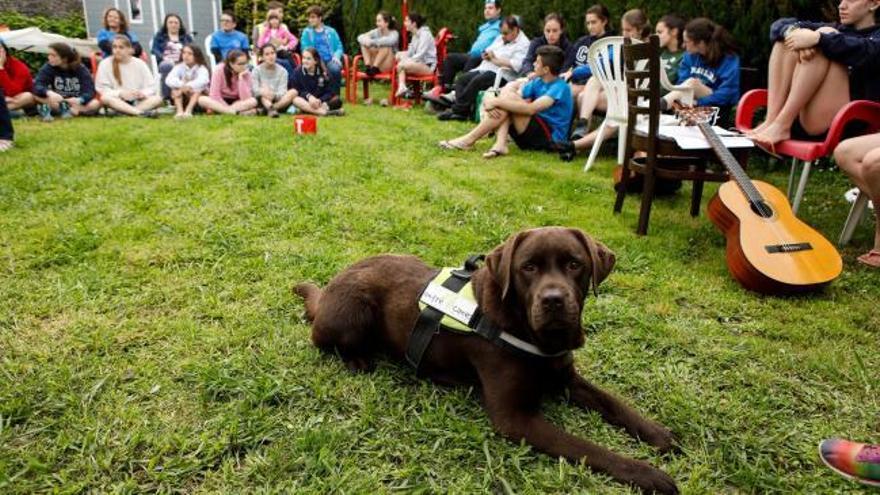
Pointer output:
x,y
537,120
188,81
15,81
167,44
421,56
633,25
270,83
115,25
7,133
856,461
325,39
227,38
231,85
126,83
316,90
859,158
501,61
64,85
379,45
710,66
815,69
670,31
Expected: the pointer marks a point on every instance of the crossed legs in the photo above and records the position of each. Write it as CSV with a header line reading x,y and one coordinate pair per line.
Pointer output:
x,y
245,107
54,100
19,101
122,106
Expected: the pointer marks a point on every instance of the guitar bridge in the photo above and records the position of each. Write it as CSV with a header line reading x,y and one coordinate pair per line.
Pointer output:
x,y
788,248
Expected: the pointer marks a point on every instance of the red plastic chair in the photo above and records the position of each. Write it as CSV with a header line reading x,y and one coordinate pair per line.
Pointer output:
x,y
94,60
808,152
359,75
440,41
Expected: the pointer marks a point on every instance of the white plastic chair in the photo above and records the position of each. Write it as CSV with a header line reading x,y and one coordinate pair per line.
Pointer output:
x,y
210,56
606,61
860,205
154,66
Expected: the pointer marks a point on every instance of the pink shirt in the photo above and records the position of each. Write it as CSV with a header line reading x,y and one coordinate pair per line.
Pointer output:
x,y
240,89
281,33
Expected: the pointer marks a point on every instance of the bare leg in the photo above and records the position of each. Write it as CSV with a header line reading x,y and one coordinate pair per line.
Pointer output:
x,y
384,59
817,85
367,54
859,158
588,140
780,71
150,103
177,97
20,101
576,90
589,98
502,136
486,125
191,103
213,105
77,108
121,106
304,105
285,100
52,99
409,67
245,106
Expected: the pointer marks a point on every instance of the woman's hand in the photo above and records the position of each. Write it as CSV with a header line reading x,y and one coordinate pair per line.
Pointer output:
x,y
800,39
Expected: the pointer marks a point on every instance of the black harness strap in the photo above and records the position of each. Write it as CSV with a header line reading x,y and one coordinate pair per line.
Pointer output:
x,y
428,322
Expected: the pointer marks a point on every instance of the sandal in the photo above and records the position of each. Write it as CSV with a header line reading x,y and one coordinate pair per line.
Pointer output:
x,y
493,153
871,258
452,145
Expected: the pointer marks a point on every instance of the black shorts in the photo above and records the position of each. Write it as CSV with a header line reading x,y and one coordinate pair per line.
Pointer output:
x,y
536,136
230,101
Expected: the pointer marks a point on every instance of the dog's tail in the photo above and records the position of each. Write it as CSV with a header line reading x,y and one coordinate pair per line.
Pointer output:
x,y
311,293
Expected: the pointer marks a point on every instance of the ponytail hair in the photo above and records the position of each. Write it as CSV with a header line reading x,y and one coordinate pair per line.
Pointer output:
x,y
639,20
390,19
719,42
69,57
117,73
232,56
674,21
603,13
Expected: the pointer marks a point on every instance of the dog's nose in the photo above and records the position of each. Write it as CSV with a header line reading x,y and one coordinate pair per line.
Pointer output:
x,y
552,299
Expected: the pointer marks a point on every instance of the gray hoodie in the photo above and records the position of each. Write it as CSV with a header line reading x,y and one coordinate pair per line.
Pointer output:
x,y
422,48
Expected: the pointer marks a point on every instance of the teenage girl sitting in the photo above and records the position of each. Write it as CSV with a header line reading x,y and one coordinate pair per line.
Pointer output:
x,y
231,84
125,83
315,87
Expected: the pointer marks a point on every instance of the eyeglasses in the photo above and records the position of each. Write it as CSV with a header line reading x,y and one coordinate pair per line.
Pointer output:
x,y
505,33
226,20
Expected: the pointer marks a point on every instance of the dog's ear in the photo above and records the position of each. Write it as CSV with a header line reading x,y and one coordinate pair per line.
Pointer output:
x,y
601,258
500,262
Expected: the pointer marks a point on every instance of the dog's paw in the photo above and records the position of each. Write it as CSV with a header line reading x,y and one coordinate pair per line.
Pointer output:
x,y
648,478
660,437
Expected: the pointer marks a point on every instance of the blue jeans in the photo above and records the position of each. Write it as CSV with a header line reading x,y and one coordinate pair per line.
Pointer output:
x,y
6,131
164,69
335,69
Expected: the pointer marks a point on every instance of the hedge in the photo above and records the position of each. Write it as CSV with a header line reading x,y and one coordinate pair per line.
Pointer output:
x,y
749,21
73,27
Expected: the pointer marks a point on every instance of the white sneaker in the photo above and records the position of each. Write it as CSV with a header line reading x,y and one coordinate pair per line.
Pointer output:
x,y
851,195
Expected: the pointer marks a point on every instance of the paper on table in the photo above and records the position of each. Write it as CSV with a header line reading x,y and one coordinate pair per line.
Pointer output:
x,y
691,138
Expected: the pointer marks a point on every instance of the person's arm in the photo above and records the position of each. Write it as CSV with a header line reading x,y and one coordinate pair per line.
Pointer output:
x,y
44,79
264,39
390,40
523,107
515,62
147,81
244,43
420,48
307,39
291,39
173,80
158,48
529,60
202,80
86,85
726,92
581,73
244,86
851,50
484,39
336,45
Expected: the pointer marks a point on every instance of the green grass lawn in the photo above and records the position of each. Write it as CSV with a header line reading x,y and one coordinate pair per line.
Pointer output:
x,y
149,340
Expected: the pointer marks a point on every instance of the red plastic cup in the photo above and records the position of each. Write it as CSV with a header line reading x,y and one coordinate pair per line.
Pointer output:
x,y
305,124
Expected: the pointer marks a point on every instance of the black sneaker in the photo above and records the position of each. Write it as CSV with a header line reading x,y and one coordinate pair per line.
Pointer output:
x,y
566,151
149,114
440,101
581,129
450,115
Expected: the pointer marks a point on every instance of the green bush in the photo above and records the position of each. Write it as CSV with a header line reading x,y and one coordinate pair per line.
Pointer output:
x,y
748,20
73,27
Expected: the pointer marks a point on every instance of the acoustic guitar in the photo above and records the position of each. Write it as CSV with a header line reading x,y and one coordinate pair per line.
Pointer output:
x,y
769,250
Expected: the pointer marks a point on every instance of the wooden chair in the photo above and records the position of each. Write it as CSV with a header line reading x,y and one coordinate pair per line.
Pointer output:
x,y
663,159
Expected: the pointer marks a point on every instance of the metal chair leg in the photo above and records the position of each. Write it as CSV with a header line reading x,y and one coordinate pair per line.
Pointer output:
x,y
802,184
852,220
790,190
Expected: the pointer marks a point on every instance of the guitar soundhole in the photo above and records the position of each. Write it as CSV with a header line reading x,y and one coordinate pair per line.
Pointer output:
x,y
762,209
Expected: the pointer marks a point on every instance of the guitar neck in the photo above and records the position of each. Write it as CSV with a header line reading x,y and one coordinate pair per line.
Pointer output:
x,y
736,171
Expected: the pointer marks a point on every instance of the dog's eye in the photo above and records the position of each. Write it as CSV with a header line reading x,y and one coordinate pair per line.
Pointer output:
x,y
528,267
575,265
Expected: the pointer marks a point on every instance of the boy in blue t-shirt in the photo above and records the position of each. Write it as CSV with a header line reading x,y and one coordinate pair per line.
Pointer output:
x,y
536,120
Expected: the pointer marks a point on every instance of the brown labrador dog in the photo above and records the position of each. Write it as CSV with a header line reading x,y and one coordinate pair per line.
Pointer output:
x,y
533,286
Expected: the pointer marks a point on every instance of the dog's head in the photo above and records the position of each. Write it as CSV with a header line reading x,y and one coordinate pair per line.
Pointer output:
x,y
548,272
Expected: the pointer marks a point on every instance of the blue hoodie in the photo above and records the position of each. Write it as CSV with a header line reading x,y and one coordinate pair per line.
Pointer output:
x,y
486,34
859,50
723,79
308,41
